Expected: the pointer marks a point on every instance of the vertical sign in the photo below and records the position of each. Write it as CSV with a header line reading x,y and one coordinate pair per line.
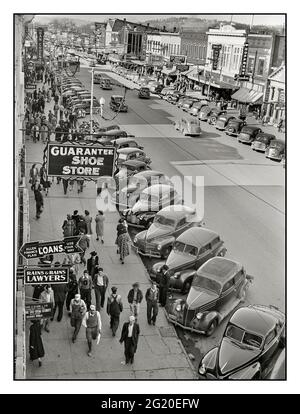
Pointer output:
x,y
40,44
216,54
244,60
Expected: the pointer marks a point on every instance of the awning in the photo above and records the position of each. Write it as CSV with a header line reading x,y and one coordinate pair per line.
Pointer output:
x,y
246,95
169,71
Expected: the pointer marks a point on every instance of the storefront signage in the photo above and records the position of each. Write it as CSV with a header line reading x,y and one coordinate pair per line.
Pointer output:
x,y
40,44
34,250
244,60
38,310
80,160
46,275
216,54
178,59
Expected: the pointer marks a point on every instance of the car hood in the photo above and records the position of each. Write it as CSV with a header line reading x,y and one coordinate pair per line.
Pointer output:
x,y
144,206
155,231
198,297
231,356
176,260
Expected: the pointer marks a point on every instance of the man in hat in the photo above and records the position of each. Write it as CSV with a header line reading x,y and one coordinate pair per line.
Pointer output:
x,y
92,263
152,303
114,308
130,337
92,322
164,282
78,310
100,281
85,285
135,297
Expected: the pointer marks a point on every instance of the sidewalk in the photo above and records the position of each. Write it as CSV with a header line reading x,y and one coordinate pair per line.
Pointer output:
x,y
160,354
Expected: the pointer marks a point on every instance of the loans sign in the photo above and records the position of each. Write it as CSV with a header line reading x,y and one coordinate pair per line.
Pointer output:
x,y
79,160
34,250
46,275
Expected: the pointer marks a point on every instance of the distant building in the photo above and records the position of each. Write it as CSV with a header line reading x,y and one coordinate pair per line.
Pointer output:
x,y
194,46
162,45
274,99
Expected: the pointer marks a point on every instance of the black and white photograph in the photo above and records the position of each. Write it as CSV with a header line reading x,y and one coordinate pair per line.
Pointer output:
x,y
150,197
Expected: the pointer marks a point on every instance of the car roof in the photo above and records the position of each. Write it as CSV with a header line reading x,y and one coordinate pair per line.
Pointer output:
x,y
265,134
176,211
122,139
128,150
254,319
134,163
158,188
219,269
250,128
197,236
226,116
280,141
116,96
149,173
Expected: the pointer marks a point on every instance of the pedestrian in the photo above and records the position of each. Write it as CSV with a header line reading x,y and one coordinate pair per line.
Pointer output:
x,y
76,218
80,183
113,309
78,310
164,282
36,347
81,225
69,227
92,322
99,220
85,285
60,291
58,133
92,263
72,289
37,290
65,185
35,132
39,202
55,109
43,180
135,297
61,112
152,303
33,176
123,240
47,296
100,281
88,220
130,337
44,133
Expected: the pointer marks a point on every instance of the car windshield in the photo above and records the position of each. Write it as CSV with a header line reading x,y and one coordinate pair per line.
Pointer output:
x,y
263,138
276,144
164,221
194,122
243,337
207,284
185,248
118,99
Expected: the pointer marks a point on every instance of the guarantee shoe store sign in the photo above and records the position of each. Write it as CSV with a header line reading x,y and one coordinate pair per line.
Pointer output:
x,y
79,160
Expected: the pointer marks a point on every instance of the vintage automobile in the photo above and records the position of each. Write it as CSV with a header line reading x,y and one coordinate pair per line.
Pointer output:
x,y
153,85
158,88
204,113
276,150
218,287
190,250
68,92
151,200
125,143
117,103
168,224
197,106
144,93
129,191
234,126
106,84
109,128
97,78
106,137
248,134
214,115
165,90
143,80
223,120
127,169
173,96
262,141
87,105
132,153
188,103
252,337
188,126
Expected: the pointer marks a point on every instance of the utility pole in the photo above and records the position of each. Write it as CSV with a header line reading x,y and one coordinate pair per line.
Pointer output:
x,y
91,107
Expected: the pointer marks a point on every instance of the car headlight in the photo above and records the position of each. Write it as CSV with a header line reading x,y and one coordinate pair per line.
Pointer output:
x,y
178,307
135,240
199,315
177,275
159,246
202,369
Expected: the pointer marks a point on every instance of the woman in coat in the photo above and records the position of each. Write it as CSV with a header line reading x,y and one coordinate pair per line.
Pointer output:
x,y
88,220
36,348
99,219
123,241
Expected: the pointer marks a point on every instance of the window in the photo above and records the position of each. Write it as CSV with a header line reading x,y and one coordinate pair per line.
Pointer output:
x,y
260,66
270,337
215,241
204,249
238,277
228,285
250,64
181,223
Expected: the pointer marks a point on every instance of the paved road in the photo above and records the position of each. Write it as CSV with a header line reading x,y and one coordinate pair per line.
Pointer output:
x,y
244,192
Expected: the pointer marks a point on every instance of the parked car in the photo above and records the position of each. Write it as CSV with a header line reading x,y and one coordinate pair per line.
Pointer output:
x,y
125,143
127,169
218,287
173,96
262,141
97,78
190,250
197,106
223,120
204,112
188,126
166,89
234,126
87,105
131,153
188,103
252,338
117,103
144,92
106,138
128,194
143,80
153,85
158,88
214,115
168,224
151,200
106,84
248,134
276,150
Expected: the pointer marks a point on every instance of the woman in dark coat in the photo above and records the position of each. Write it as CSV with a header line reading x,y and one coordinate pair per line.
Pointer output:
x,y
36,347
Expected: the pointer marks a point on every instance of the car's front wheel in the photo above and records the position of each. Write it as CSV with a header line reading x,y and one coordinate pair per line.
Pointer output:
x,y
211,328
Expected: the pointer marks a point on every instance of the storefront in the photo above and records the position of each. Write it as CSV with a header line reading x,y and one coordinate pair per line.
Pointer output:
x,y
274,99
249,97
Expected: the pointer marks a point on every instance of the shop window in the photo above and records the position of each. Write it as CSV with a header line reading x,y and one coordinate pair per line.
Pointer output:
x,y
260,66
250,64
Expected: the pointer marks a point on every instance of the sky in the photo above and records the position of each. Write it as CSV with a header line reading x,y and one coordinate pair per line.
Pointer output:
x,y
270,19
